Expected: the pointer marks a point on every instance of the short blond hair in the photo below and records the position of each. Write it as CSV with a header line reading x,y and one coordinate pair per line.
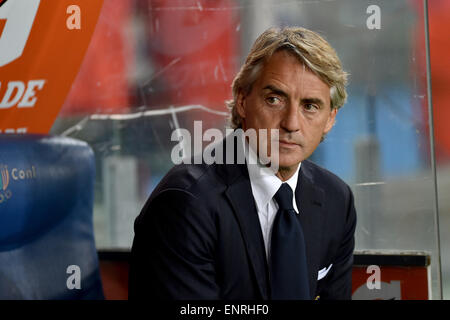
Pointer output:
x,y
312,50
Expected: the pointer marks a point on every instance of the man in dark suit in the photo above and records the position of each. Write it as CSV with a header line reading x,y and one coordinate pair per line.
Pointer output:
x,y
238,231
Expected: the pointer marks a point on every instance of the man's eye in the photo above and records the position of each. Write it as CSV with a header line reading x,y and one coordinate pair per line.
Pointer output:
x,y
273,101
311,107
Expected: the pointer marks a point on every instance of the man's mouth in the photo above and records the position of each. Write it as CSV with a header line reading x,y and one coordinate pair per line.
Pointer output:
x,y
287,144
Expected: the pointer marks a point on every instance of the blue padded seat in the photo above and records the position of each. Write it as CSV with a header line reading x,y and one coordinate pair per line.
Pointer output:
x,y
47,245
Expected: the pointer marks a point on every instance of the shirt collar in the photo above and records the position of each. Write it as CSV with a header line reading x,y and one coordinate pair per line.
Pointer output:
x,y
264,182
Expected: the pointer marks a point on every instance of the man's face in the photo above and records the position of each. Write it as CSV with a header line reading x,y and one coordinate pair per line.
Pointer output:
x,y
290,98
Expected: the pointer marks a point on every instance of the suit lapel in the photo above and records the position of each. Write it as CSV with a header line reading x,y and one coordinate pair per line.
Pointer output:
x,y
241,198
310,201
239,194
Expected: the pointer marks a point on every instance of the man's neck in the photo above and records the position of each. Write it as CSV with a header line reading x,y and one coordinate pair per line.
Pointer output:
x,y
286,172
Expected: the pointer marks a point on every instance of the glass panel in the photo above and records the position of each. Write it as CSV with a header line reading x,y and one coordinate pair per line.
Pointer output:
x,y
438,12
164,64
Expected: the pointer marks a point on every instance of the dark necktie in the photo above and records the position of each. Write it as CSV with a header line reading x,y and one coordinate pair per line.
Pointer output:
x,y
288,270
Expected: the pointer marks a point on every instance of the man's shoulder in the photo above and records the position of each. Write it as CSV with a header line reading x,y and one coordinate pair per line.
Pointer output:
x,y
194,179
322,177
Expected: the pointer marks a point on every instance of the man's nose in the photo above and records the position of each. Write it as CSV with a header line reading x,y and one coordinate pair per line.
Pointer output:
x,y
290,121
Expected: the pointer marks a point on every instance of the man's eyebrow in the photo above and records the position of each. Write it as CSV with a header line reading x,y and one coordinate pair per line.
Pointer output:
x,y
313,100
276,90
280,92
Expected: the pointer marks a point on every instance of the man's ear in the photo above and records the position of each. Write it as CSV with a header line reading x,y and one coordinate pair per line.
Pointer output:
x,y
240,104
331,120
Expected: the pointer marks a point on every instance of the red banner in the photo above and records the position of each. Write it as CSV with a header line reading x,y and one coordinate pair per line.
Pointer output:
x,y
42,45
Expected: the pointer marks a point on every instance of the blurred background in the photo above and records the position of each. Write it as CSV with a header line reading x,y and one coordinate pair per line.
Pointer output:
x,y
156,65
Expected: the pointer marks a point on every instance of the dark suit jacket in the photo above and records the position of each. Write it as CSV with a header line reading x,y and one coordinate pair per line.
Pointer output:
x,y
199,237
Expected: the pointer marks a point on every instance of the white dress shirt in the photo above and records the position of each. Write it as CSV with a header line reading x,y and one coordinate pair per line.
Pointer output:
x,y
264,186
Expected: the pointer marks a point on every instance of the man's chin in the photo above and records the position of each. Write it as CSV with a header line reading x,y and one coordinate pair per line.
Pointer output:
x,y
288,164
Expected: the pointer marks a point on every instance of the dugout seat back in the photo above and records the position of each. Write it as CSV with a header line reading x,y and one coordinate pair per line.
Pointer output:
x,y
47,246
